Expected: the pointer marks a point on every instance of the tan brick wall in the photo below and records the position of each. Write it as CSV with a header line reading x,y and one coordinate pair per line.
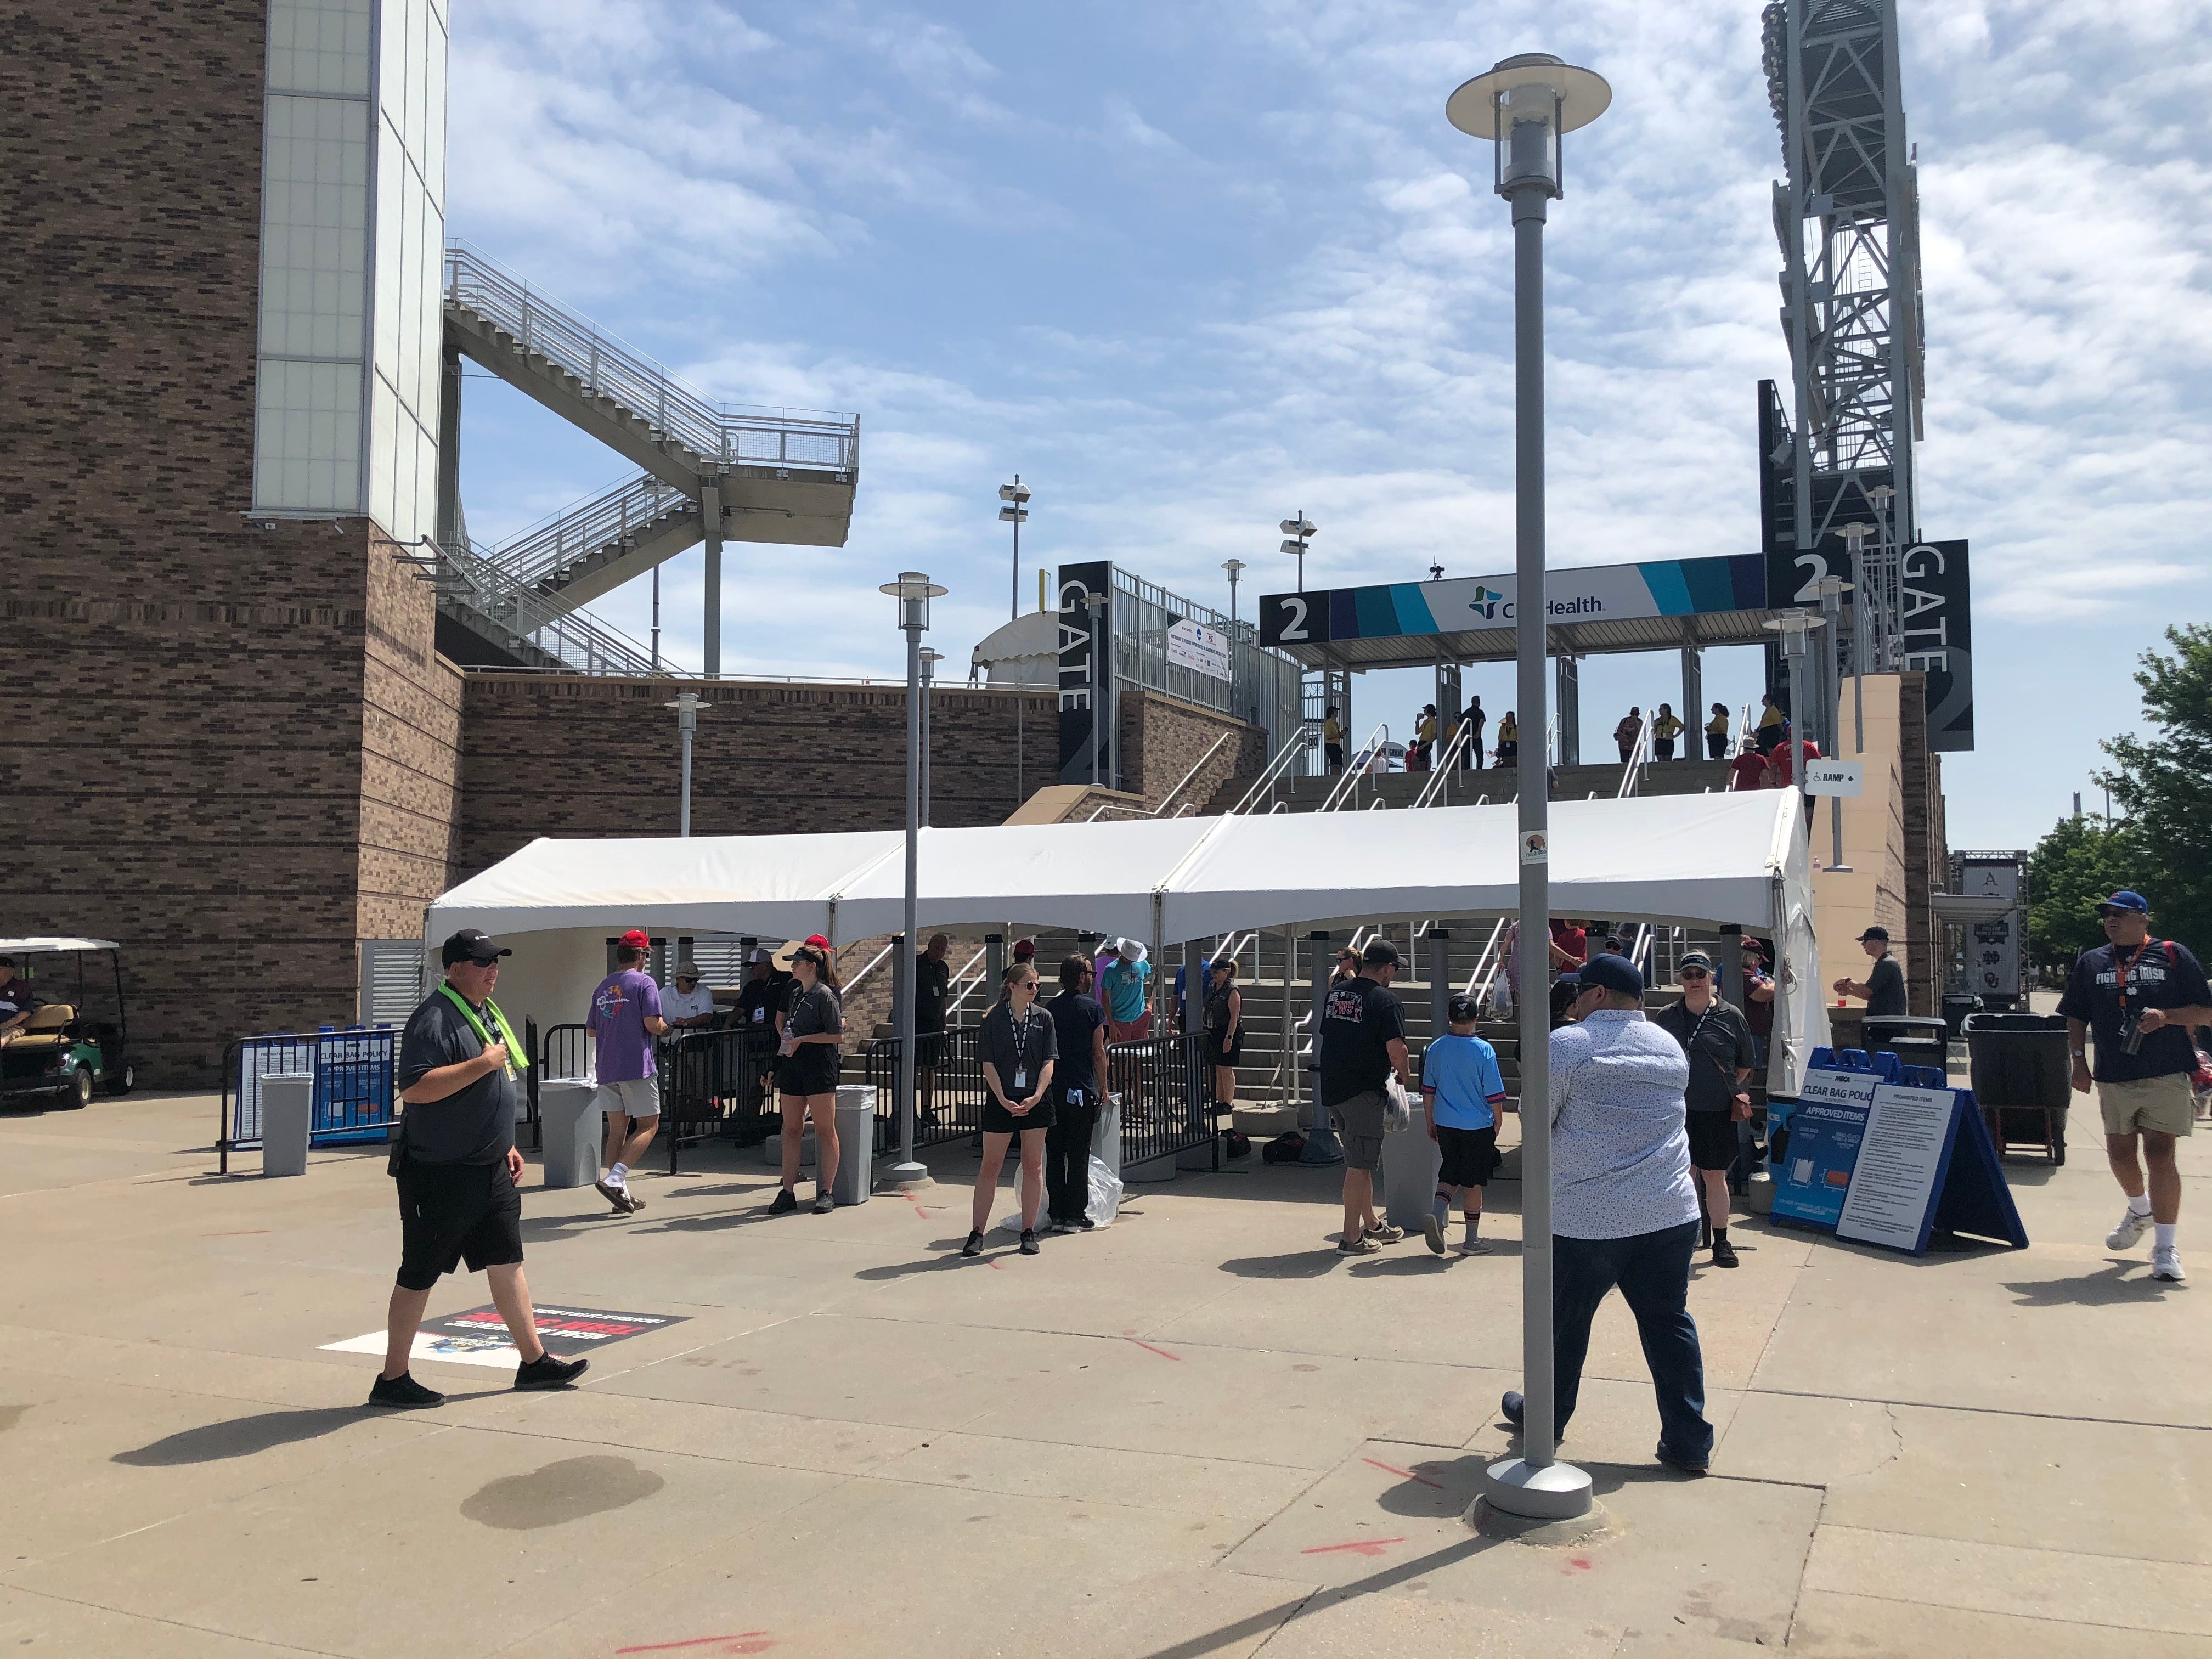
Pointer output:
x,y
563,756
1162,741
410,756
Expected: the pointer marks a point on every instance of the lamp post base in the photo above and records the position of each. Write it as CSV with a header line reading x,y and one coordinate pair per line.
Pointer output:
x,y
1557,1492
907,1177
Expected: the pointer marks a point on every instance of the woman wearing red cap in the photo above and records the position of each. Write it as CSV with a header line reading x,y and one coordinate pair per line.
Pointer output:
x,y
806,1073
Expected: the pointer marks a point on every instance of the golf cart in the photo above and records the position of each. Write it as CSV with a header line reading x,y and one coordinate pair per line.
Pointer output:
x,y
77,1037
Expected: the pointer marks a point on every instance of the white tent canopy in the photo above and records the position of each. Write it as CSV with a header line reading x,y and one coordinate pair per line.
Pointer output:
x,y
1700,859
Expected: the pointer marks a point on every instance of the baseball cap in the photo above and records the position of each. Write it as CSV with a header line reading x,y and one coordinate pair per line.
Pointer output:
x,y
2125,900
761,953
1695,959
634,939
1025,949
818,941
1881,933
687,969
473,945
1612,974
1464,1009
1381,953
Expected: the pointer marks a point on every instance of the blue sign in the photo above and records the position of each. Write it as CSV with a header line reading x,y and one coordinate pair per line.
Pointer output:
x,y
1812,1180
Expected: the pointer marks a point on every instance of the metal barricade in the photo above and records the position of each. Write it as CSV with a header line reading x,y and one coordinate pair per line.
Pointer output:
x,y
953,1097
355,1095
715,1085
1166,1096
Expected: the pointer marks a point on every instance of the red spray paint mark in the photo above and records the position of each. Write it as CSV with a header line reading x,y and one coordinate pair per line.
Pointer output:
x,y
751,1641
1579,1564
1403,1475
1361,1546
996,1267
1148,1347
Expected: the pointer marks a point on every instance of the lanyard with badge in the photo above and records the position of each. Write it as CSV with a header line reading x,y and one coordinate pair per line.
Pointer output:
x,y
1021,1029
2131,1033
516,1059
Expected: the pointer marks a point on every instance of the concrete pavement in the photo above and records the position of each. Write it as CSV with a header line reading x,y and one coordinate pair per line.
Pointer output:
x,y
1195,1434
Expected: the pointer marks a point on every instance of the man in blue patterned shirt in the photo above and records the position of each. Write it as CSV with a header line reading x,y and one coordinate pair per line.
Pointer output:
x,y
1624,1211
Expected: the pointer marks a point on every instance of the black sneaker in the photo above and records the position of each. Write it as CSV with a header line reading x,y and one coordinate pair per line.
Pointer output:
x,y
974,1246
824,1201
786,1201
1512,1406
1084,1223
1724,1254
1029,1241
1680,1465
547,1373
403,1393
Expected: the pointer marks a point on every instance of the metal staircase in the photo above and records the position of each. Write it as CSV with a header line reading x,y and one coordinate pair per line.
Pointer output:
x,y
711,472
484,622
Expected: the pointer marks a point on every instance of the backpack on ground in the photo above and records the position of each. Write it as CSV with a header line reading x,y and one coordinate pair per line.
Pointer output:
x,y
1236,1144
1284,1148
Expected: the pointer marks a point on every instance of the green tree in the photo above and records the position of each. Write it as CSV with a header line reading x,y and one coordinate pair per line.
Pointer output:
x,y
2081,861
2164,781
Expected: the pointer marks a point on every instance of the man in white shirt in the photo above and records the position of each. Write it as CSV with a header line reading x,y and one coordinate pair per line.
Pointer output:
x,y
1623,1209
685,1004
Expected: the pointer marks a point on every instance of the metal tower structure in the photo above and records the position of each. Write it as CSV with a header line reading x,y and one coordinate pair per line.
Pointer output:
x,y
1847,215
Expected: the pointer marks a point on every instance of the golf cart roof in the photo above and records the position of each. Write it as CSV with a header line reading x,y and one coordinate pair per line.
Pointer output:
x,y
10,946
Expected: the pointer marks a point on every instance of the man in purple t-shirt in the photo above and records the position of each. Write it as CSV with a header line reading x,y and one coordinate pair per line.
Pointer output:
x,y
625,1018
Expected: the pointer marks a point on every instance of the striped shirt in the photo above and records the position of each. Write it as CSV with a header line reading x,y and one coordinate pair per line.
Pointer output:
x,y
1620,1157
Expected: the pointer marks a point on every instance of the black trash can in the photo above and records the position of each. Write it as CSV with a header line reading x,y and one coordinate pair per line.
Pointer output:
x,y
1915,1039
1955,1010
2022,1077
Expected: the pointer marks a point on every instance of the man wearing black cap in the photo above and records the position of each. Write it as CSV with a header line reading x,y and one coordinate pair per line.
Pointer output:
x,y
456,1164
1624,1211
1363,1043
2141,997
1717,1037
1884,985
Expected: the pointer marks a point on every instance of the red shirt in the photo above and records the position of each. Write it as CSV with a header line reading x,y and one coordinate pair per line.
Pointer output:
x,y
1575,941
1748,771
1777,765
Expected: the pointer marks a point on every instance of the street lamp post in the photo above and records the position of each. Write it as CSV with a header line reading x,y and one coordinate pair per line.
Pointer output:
x,y
1016,512
1300,530
1235,568
1795,627
1522,106
930,658
913,591
687,721
1832,589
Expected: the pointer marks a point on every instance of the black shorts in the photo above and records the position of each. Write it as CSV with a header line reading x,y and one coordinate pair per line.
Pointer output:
x,y
1470,1156
929,1048
811,1071
454,1212
1713,1140
998,1120
1235,1055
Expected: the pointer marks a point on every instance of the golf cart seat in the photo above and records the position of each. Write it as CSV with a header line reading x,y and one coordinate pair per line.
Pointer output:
x,y
47,1027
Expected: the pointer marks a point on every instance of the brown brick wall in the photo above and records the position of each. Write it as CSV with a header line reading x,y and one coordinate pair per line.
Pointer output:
x,y
410,757
1162,739
1927,854
555,755
184,749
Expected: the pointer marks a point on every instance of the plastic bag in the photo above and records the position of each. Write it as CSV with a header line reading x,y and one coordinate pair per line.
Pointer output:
x,y
1397,1110
1105,1193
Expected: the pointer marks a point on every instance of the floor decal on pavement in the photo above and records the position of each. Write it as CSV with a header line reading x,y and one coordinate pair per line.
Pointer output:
x,y
478,1336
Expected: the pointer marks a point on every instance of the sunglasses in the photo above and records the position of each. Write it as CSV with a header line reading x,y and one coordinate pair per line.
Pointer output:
x,y
1693,972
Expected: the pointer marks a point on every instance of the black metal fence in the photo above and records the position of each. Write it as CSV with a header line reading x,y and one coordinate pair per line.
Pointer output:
x,y
715,1085
354,1094
1163,1082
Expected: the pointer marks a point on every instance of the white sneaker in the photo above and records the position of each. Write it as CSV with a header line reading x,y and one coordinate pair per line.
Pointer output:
x,y
2129,1232
2166,1263
1474,1247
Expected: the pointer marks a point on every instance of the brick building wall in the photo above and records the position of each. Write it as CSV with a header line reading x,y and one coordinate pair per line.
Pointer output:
x,y
1162,739
574,756
185,731
1927,850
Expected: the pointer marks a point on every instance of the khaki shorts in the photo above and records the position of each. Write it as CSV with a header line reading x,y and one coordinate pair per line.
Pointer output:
x,y
2166,1104
637,1097
1360,1126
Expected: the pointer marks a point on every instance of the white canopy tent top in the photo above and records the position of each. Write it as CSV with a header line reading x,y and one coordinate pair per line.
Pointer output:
x,y
1699,860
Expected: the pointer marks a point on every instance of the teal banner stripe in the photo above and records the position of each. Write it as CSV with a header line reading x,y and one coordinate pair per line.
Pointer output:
x,y
1711,584
1412,605
1670,592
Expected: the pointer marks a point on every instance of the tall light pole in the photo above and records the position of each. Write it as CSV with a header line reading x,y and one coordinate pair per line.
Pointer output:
x,y
1795,627
913,591
1524,105
1016,512
687,721
1235,568
1832,589
1300,530
930,658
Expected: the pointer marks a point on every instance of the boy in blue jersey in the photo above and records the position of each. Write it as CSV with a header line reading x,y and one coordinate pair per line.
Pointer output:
x,y
1462,1093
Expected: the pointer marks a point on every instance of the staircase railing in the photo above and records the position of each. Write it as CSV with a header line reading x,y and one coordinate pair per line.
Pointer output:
x,y
1347,788
817,439
470,580
541,556
1487,964
1286,757
1435,789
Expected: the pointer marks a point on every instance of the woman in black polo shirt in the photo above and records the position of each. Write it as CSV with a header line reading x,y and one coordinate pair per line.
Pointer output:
x,y
806,1075
1224,1031
1018,1045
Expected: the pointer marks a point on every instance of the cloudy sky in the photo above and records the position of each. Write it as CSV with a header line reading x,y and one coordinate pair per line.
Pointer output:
x,y
1189,267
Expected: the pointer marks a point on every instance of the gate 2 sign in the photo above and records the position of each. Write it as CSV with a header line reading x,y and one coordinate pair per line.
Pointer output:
x,y
1939,639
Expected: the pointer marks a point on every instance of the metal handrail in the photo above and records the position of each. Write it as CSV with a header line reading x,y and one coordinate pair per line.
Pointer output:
x,y
1478,982
1441,770
1347,787
467,579
952,1006
714,433
544,556
1153,812
1297,748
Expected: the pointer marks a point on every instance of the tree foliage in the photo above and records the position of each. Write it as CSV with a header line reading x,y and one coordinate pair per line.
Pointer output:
x,y
2163,781
2080,862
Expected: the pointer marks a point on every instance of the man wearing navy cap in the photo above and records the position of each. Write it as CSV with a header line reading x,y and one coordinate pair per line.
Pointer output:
x,y
1624,1211
2141,997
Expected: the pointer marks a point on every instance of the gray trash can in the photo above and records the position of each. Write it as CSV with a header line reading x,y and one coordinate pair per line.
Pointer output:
x,y
856,1142
1411,1164
2022,1074
570,1126
287,1111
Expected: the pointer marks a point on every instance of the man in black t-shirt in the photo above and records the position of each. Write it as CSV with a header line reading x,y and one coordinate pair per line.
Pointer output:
x,y
456,1165
1077,1081
1884,985
2141,997
1362,1044
932,989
